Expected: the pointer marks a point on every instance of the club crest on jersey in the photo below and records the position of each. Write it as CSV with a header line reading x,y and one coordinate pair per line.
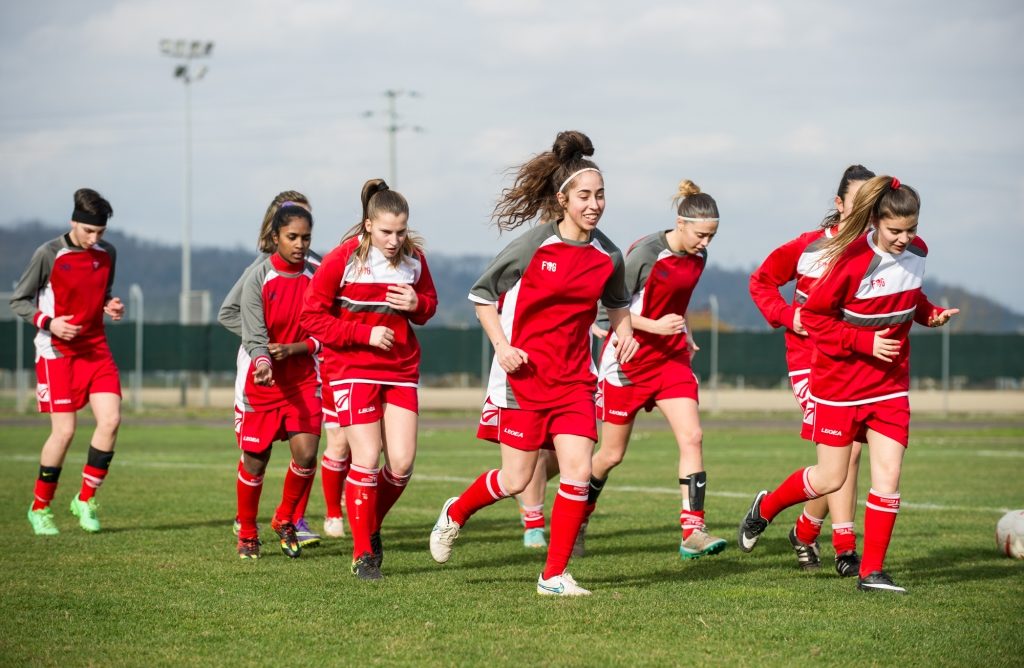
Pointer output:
x,y
549,266
878,283
341,399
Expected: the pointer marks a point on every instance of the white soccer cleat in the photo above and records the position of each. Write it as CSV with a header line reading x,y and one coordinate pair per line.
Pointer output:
x,y
334,527
444,533
560,585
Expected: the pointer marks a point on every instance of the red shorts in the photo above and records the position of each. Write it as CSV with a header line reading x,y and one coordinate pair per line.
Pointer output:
x,y
802,392
257,430
64,384
839,426
534,430
363,403
620,404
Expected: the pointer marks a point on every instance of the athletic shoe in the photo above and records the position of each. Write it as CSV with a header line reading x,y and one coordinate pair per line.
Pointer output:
x,y
248,548
236,528
334,527
289,539
444,533
579,546
560,585
85,511
307,537
534,538
42,521
848,563
364,568
753,525
700,544
808,555
879,581
378,549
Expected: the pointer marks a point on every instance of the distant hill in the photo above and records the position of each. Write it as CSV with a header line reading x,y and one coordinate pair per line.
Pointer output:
x,y
156,268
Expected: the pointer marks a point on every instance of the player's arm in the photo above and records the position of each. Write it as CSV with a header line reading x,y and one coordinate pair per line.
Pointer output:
x,y
822,317
777,269
510,358
426,295
112,306
616,298
255,337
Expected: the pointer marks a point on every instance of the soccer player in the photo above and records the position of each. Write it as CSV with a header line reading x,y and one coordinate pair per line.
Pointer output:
x,y
859,315
662,270
336,451
536,302
64,293
799,260
277,388
362,304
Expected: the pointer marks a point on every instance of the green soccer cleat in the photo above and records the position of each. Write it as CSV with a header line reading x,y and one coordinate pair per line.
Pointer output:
x,y
700,544
534,538
42,521
85,511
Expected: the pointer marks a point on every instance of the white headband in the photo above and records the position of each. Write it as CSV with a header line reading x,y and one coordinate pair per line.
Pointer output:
x,y
575,174
697,220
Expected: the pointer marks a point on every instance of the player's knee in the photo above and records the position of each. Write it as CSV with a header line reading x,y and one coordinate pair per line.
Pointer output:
x,y
609,458
63,435
109,423
691,440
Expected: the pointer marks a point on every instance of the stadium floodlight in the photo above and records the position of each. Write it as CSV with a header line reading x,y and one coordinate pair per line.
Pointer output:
x,y
187,50
393,128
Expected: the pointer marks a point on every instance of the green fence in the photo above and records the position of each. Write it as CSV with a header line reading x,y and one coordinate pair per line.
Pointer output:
x,y
758,357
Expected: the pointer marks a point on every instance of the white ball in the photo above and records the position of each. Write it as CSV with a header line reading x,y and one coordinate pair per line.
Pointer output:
x,y
1010,534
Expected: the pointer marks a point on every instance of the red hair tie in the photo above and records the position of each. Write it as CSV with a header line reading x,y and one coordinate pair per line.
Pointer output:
x,y
895,185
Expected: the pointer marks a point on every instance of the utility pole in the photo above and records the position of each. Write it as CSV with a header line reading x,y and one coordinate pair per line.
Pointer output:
x,y
393,128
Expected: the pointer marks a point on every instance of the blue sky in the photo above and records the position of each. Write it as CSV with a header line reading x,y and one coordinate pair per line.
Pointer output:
x,y
762,104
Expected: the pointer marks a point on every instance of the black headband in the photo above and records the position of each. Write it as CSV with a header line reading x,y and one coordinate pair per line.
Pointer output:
x,y
88,218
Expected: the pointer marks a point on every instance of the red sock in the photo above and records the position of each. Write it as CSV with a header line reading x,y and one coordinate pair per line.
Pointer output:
x,y
808,528
589,511
389,489
484,491
843,537
690,521
793,490
296,485
879,520
361,504
300,507
332,476
44,492
533,516
248,490
567,515
92,478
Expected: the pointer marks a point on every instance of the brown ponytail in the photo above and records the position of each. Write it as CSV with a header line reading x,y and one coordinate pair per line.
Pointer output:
x,y
378,198
690,202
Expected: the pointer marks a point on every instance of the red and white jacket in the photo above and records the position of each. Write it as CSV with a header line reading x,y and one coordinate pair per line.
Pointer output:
x,y
799,260
865,291
347,299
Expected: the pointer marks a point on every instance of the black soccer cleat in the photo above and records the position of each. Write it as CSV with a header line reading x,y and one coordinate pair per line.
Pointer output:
x,y
289,539
808,555
365,569
378,550
848,564
879,581
753,525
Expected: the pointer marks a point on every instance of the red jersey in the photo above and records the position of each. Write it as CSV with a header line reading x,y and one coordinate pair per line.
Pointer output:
x,y
63,279
546,289
799,259
661,281
866,290
270,304
348,298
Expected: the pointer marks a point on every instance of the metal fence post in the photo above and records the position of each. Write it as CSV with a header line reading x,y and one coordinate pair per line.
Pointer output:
x,y
713,303
945,363
135,296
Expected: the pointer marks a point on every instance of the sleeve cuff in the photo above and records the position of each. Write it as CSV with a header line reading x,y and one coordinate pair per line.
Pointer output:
x,y
262,360
363,333
42,321
786,318
313,346
864,343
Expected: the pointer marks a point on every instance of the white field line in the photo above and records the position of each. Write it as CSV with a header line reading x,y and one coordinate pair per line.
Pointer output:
x,y
672,491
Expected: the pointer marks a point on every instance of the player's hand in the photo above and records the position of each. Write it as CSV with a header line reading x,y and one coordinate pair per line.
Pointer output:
x,y
62,328
402,297
279,351
670,324
939,318
510,359
598,332
263,375
798,327
382,337
114,308
691,345
885,349
625,348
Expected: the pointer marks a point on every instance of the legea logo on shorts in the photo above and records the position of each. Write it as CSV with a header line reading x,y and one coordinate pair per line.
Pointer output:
x,y
619,413
832,432
513,433
250,439
63,401
370,409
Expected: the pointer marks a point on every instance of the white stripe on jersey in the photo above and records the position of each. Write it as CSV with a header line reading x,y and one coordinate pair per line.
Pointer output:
x,y
893,275
378,269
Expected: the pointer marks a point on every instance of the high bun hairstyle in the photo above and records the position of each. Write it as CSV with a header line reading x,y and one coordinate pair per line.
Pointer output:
x,y
538,181
881,197
377,198
690,202
852,174
266,239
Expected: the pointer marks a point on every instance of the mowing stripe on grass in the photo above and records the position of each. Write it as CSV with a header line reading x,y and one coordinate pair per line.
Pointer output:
x,y
156,464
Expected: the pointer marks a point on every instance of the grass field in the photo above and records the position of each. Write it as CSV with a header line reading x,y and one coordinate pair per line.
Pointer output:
x,y
161,584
